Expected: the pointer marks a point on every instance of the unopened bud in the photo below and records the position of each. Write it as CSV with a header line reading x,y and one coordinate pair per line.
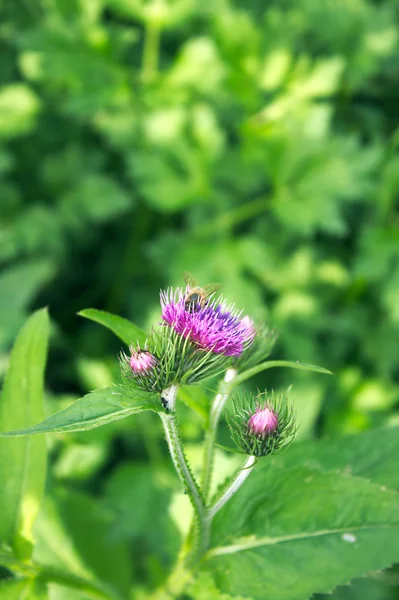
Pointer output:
x,y
263,422
142,361
140,369
262,425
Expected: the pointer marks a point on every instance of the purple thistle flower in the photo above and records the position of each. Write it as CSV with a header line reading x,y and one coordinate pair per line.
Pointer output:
x,y
214,327
141,361
263,422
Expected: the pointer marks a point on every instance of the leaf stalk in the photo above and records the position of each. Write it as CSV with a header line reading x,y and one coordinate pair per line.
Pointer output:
x,y
210,437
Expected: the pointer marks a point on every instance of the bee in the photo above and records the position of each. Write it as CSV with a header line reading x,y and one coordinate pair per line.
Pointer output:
x,y
197,297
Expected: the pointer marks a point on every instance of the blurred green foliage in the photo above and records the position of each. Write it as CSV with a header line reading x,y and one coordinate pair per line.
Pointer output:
x,y
252,143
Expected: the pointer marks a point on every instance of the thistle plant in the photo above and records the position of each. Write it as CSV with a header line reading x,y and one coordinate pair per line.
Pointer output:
x,y
192,342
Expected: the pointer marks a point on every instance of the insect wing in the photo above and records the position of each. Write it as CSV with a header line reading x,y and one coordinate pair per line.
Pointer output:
x,y
190,279
210,288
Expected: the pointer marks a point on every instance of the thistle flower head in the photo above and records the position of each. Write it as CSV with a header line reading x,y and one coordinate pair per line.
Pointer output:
x,y
262,425
141,361
213,327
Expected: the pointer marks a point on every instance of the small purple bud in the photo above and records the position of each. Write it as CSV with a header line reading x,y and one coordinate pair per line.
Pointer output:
x,y
142,361
262,425
263,422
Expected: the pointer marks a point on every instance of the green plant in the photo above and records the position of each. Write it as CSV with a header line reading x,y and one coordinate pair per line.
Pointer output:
x,y
253,143
315,514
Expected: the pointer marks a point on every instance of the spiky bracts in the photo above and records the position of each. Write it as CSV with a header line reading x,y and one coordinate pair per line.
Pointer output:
x,y
263,342
261,425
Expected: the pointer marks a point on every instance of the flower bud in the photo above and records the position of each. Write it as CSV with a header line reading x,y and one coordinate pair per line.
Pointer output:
x,y
142,361
263,422
140,369
262,425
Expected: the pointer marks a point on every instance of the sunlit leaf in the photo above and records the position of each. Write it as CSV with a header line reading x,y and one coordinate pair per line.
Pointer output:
x,y
372,454
124,329
23,589
73,533
93,410
18,109
308,531
23,461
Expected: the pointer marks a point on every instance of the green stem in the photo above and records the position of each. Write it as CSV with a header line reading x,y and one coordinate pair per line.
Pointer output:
x,y
210,437
192,551
270,364
151,50
234,485
172,435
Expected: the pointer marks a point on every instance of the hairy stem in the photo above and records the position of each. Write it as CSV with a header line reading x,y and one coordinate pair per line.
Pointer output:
x,y
233,487
175,445
180,462
197,542
210,437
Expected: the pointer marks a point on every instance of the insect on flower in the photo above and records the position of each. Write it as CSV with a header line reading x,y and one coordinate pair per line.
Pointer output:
x,y
197,297
216,327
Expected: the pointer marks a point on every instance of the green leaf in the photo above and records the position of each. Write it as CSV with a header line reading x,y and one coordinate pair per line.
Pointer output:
x,y
373,455
378,586
140,502
19,284
122,328
18,109
270,364
228,449
60,592
93,410
288,533
111,199
23,462
74,541
203,588
22,589
7,558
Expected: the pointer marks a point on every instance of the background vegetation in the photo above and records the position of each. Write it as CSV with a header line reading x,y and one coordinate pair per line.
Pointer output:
x,y
252,143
